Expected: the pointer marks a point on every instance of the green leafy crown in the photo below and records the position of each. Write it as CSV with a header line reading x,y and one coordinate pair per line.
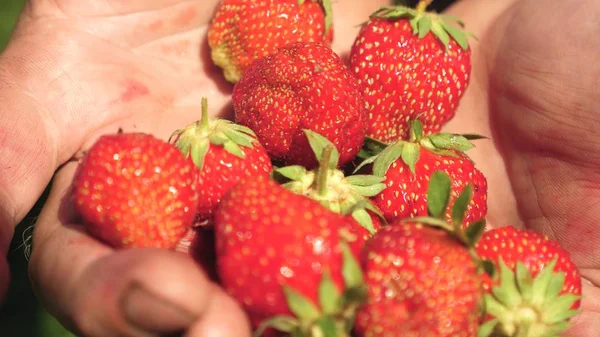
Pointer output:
x,y
422,22
328,185
195,139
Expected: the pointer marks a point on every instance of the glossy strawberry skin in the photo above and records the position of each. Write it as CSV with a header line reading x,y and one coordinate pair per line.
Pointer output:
x,y
532,249
222,170
302,86
421,282
406,193
267,236
250,29
134,190
403,76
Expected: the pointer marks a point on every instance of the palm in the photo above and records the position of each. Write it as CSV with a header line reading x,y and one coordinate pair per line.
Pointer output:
x,y
535,98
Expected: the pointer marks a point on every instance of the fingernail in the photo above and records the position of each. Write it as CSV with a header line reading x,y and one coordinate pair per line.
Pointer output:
x,y
149,312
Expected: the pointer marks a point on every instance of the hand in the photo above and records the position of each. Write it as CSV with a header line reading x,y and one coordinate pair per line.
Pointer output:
x,y
77,69
535,92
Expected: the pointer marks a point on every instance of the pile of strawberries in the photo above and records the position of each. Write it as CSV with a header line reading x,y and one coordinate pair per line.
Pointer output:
x,y
333,205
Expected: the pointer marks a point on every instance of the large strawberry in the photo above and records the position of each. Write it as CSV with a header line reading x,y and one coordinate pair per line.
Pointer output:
x,y
288,260
224,153
422,276
242,31
135,190
537,289
302,86
410,62
332,188
407,166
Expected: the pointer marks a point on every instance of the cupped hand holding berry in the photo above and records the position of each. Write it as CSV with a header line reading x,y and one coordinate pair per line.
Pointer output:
x,y
76,70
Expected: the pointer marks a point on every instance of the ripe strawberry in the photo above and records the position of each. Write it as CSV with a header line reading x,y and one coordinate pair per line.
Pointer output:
x,y
410,62
407,166
329,186
279,254
302,86
224,153
537,289
242,31
421,276
134,190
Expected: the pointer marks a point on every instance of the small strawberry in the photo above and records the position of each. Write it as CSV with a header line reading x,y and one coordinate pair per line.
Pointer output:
x,y
302,86
410,62
407,166
332,188
422,275
288,260
243,31
537,289
134,190
224,153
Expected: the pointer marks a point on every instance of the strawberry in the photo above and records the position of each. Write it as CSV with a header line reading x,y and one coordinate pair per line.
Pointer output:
x,y
421,274
224,153
538,288
407,166
199,244
410,62
243,31
332,188
302,86
134,190
288,260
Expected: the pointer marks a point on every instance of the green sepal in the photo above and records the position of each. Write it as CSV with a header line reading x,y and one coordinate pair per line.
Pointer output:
x,y
293,172
371,147
424,26
299,305
364,219
234,149
410,155
238,138
486,329
508,293
541,283
474,232
488,267
524,281
459,209
329,294
558,310
438,193
281,323
364,180
198,152
450,141
326,327
318,143
369,191
351,270
301,2
384,160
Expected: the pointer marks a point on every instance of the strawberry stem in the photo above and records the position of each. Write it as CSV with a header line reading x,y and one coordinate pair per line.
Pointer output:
x,y
321,178
204,120
422,5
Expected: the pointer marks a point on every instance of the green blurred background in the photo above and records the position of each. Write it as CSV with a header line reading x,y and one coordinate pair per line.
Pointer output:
x,y
22,315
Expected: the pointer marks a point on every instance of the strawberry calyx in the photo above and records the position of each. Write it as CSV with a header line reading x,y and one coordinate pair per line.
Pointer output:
x,y
329,186
444,27
521,305
382,155
333,315
438,198
195,139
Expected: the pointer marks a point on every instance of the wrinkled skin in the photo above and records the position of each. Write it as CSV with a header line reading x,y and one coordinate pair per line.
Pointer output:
x,y
78,68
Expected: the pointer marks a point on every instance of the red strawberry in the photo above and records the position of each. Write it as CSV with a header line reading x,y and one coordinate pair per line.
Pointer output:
x,y
224,153
243,30
134,190
328,185
302,86
410,62
279,254
407,166
422,280
538,287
